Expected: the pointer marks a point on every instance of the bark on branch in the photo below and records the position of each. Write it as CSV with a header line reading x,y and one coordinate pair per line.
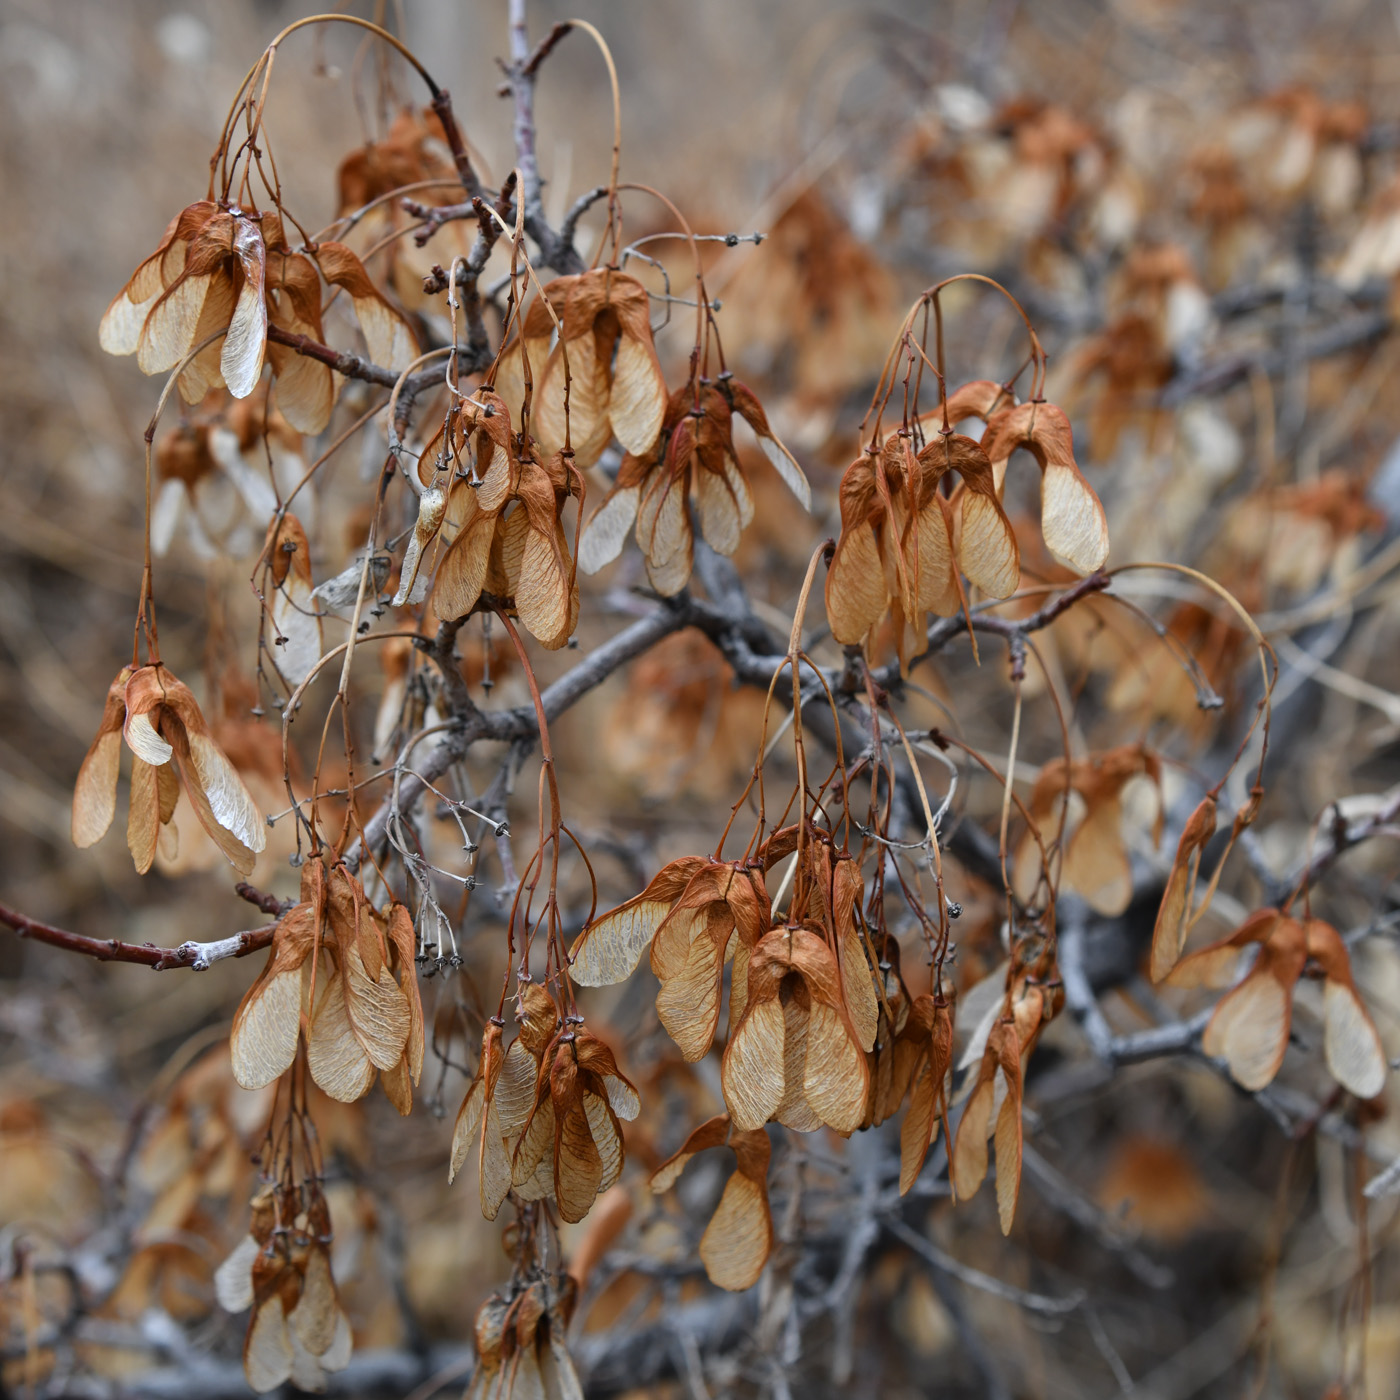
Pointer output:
x,y
191,954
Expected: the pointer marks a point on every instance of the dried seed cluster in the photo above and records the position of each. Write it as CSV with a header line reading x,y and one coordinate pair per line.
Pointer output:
x,y
786,955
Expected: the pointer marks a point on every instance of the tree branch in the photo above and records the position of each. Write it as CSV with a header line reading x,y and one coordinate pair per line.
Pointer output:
x,y
520,84
195,955
1225,372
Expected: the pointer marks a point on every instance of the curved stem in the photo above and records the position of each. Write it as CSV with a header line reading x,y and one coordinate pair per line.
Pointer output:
x,y
266,58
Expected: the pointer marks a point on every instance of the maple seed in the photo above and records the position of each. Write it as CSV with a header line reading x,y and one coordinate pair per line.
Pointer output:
x,y
231,270
1072,520
171,747
1174,915
739,1237
1250,1025
364,1014
281,1270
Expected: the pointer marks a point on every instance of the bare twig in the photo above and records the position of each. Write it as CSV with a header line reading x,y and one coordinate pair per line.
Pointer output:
x,y
1225,373
555,250
1041,1303
195,955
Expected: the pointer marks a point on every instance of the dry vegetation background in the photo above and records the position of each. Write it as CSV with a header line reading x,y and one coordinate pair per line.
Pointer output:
x,y
1197,204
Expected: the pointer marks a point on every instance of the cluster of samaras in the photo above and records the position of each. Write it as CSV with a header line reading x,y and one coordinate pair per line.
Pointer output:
x,y
520,1343
823,1031
282,1271
916,514
171,747
223,274
543,1115
581,372
496,477
343,972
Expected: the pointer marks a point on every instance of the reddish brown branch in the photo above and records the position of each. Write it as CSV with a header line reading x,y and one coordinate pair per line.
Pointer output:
x,y
350,365
196,955
268,903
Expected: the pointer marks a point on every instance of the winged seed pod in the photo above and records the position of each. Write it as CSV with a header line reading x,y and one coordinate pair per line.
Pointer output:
x,y
1034,997
1096,864
226,268
1072,521
520,1347
171,746
883,562
207,274
1250,1027
586,1096
794,1055
414,151
363,1015
306,388
893,1058
987,551
1355,1055
505,534
998,1081
614,380
926,1047
694,941
544,1114
294,624
609,949
739,1237
481,427
282,1271
897,549
1174,915
692,457
833,892
498,1102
